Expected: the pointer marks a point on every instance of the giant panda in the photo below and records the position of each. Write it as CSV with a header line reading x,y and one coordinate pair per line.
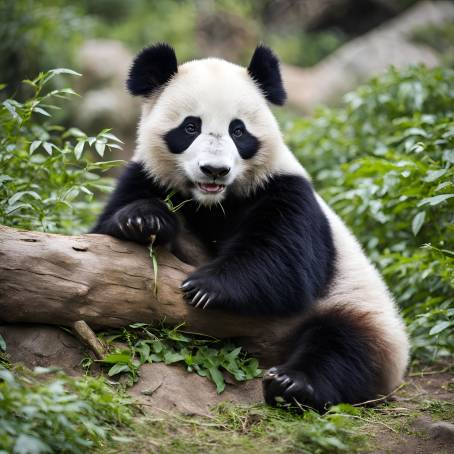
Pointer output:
x,y
277,249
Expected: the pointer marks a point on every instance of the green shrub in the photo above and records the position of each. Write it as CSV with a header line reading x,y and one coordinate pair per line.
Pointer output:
x,y
47,175
62,414
36,35
208,357
384,161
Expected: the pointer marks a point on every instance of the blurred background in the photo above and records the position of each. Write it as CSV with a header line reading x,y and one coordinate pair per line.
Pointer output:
x,y
327,47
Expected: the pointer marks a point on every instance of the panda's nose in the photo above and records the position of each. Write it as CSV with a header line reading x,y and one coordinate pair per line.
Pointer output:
x,y
214,172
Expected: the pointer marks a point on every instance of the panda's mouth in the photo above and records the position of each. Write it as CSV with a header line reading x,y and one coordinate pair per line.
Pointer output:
x,y
211,188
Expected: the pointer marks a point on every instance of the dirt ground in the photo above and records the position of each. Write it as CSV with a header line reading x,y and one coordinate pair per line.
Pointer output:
x,y
418,421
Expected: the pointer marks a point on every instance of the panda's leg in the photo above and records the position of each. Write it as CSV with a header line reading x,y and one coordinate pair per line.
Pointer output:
x,y
336,355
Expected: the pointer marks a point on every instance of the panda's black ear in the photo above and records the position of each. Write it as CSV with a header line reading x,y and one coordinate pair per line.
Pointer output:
x,y
153,67
264,69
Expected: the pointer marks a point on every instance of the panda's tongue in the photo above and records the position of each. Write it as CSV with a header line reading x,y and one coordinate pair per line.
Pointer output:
x,y
211,187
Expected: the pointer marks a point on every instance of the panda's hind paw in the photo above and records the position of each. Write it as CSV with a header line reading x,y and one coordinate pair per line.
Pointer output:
x,y
288,386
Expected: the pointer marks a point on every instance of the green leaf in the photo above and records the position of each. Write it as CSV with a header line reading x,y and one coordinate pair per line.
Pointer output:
x,y
100,147
433,175
113,358
118,369
86,190
75,132
139,325
12,109
110,136
2,344
41,111
172,357
435,200
217,378
418,222
34,145
79,148
64,71
439,327
48,147
18,196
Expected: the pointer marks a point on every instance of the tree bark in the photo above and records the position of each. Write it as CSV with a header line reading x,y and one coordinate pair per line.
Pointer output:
x,y
108,283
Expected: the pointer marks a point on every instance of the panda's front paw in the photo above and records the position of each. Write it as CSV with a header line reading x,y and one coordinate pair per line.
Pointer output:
x,y
143,219
203,290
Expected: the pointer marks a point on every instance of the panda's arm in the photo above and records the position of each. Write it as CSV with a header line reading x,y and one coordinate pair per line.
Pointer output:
x,y
136,210
277,262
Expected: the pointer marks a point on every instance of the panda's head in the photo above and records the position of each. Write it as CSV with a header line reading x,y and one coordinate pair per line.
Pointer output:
x,y
206,128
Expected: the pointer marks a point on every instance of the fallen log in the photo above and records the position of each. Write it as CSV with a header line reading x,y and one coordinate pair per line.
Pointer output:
x,y
108,283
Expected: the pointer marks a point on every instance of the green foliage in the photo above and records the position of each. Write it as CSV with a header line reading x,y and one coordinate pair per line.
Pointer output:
x,y
47,176
141,22
208,357
61,414
384,161
309,432
36,35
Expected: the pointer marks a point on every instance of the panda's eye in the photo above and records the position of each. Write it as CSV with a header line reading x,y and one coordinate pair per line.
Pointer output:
x,y
238,132
190,129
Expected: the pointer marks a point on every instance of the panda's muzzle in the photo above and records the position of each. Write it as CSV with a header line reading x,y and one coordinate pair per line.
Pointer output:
x,y
214,173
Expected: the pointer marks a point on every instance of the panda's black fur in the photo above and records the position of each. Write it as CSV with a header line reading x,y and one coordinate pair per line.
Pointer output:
x,y
273,253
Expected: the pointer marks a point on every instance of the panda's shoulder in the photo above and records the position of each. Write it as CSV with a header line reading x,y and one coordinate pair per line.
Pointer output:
x,y
288,188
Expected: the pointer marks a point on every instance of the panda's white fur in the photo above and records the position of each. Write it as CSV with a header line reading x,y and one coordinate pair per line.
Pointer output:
x,y
359,286
217,91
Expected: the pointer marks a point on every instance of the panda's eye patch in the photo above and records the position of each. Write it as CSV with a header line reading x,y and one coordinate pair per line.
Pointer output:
x,y
236,128
180,138
246,144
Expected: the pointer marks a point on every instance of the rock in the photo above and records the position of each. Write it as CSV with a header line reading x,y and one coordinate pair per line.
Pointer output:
x,y
44,346
104,59
105,103
366,56
173,389
160,387
443,431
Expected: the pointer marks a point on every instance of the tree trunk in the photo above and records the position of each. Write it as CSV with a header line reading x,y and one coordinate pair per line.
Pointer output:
x,y
108,283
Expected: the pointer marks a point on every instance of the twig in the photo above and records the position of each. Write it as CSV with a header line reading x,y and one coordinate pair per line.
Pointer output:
x,y
430,372
380,399
86,335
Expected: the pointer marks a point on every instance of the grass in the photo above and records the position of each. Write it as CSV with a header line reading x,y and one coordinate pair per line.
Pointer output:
x,y
247,429
47,411
258,428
